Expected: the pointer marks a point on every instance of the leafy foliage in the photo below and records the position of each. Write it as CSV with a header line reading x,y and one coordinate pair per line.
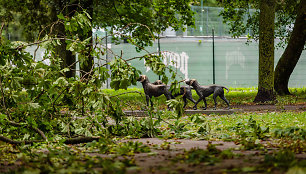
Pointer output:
x,y
38,95
140,15
291,132
282,159
64,160
234,12
38,103
123,75
209,157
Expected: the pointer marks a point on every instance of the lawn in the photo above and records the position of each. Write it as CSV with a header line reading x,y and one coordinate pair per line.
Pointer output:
x,y
165,142
133,98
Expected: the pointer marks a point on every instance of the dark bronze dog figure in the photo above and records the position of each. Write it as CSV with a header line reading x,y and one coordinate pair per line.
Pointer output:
x,y
153,90
184,90
205,91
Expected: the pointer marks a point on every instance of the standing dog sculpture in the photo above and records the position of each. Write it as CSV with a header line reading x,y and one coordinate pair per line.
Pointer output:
x,y
184,90
153,90
205,91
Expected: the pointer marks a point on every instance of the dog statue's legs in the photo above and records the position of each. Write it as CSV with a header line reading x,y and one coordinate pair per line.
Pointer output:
x,y
195,105
226,101
205,107
147,99
189,96
185,101
215,100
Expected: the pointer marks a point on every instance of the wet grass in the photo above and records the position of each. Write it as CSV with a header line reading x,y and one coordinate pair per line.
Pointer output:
x,y
134,98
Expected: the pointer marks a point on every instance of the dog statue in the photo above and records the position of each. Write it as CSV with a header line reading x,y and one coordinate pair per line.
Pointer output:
x,y
205,91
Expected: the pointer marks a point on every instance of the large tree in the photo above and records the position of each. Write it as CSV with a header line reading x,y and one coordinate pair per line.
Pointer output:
x,y
287,13
293,51
140,19
266,51
36,94
39,17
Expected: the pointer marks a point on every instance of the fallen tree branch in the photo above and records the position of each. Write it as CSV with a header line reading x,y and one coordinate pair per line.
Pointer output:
x,y
41,133
10,141
76,140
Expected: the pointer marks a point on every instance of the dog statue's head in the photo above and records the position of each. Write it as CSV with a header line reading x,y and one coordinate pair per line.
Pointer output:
x,y
190,82
158,82
142,78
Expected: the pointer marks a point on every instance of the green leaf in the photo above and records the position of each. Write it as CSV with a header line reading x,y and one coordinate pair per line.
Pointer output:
x,y
65,70
61,16
87,91
87,15
115,84
61,82
124,83
34,105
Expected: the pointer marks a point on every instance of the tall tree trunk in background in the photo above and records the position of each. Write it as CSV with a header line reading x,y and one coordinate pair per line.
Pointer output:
x,y
68,59
292,53
88,64
266,52
86,67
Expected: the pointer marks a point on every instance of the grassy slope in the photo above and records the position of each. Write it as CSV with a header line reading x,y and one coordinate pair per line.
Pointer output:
x,y
70,159
236,96
221,127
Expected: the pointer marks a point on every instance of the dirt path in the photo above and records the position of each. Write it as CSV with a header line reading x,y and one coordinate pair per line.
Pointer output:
x,y
247,162
268,107
163,160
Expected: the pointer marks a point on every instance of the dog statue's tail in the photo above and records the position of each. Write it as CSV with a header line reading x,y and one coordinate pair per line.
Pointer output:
x,y
225,88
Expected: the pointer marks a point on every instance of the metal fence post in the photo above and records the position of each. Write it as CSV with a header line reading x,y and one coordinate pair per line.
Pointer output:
x,y
158,44
107,60
214,74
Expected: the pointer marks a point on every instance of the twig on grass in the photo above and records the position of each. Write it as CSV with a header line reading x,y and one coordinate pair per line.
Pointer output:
x,y
10,141
76,140
41,133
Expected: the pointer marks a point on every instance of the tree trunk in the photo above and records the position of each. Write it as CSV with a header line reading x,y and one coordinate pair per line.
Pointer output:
x,y
292,53
266,52
68,59
86,67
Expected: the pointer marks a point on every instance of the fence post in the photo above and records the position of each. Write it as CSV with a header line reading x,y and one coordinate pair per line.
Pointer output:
x,y
202,18
158,44
107,60
214,74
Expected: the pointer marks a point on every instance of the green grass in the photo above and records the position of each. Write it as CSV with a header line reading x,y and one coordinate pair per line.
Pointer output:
x,y
270,119
238,128
131,99
215,127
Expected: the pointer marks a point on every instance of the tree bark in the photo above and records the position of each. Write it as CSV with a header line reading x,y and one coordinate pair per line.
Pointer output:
x,y
68,59
87,66
266,52
292,53
10,141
